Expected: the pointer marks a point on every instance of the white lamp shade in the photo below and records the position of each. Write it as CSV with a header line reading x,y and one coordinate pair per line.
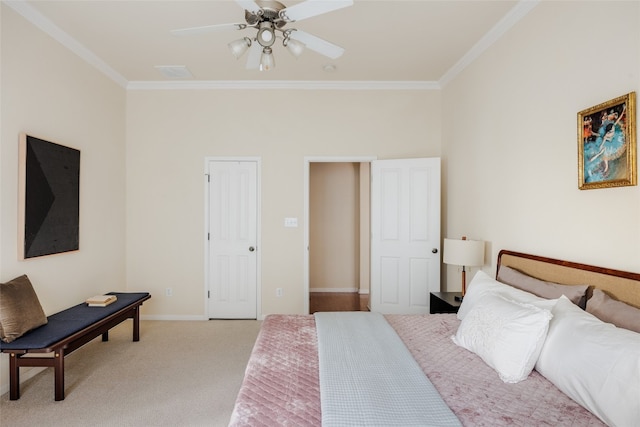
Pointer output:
x,y
239,47
266,60
463,252
295,47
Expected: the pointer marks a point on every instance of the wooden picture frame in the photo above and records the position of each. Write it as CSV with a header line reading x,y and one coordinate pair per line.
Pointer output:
x,y
607,144
49,198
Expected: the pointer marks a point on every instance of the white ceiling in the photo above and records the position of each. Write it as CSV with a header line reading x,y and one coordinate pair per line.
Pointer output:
x,y
393,42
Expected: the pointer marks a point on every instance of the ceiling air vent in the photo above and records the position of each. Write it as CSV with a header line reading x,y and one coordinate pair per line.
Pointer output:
x,y
174,72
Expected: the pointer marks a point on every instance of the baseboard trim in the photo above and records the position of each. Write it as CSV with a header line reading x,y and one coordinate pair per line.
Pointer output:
x,y
335,290
171,317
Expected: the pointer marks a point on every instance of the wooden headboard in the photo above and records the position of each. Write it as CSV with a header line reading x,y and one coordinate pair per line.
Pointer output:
x,y
622,285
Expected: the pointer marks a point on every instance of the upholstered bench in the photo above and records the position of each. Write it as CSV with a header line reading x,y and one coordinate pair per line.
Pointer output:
x,y
65,332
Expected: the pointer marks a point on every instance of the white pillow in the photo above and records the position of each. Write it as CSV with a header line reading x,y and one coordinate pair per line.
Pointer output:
x,y
594,363
507,335
482,284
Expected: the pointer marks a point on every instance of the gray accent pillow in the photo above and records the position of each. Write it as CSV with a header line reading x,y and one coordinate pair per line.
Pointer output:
x,y
613,311
20,309
541,288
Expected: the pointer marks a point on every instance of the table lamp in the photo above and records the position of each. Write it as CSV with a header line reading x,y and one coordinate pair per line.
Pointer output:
x,y
467,253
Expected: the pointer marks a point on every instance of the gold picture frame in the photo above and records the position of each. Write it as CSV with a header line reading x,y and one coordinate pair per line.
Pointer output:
x,y
607,144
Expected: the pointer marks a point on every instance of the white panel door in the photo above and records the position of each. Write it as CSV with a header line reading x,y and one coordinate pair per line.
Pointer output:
x,y
232,240
405,234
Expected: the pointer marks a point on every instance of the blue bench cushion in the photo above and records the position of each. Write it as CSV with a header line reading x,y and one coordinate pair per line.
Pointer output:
x,y
70,321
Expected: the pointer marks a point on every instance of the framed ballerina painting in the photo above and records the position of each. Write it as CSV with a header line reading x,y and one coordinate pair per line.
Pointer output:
x,y
607,144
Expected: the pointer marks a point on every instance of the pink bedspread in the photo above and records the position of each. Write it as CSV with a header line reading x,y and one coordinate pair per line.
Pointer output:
x,y
281,382
473,390
281,386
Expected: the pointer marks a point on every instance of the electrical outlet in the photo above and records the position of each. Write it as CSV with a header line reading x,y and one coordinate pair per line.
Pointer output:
x,y
168,292
279,292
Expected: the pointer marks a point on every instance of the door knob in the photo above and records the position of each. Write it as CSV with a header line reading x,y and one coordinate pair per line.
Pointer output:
x,y
434,250
251,249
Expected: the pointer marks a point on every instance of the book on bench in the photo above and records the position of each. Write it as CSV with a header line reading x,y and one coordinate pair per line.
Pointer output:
x,y
101,300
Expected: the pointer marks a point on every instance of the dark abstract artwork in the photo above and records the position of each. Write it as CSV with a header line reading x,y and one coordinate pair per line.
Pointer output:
x,y
50,181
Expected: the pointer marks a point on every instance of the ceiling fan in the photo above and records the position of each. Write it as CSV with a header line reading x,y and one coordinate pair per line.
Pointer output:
x,y
269,17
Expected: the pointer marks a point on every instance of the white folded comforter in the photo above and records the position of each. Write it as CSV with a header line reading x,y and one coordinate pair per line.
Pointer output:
x,y
369,378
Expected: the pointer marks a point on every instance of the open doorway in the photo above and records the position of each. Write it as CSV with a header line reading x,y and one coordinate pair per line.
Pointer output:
x,y
403,236
337,234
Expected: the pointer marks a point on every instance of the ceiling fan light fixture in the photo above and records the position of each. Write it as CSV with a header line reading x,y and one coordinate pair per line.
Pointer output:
x,y
265,18
239,47
266,35
267,62
294,47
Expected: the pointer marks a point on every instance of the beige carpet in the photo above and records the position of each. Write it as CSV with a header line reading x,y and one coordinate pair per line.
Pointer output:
x,y
180,373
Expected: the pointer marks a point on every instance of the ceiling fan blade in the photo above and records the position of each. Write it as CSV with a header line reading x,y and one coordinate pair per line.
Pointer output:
x,y
310,8
249,5
253,57
317,44
207,29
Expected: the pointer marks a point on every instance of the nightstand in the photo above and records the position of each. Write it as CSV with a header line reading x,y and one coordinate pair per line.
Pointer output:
x,y
444,302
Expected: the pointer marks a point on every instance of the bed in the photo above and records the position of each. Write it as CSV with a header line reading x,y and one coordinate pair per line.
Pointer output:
x,y
480,384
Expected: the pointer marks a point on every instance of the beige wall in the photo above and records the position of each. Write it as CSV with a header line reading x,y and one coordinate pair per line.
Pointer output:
x,y
510,139
51,93
169,134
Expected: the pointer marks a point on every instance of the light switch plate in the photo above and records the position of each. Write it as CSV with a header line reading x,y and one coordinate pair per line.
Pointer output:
x,y
291,222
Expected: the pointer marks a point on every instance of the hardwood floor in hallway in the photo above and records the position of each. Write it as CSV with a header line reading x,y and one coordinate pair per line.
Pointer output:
x,y
337,301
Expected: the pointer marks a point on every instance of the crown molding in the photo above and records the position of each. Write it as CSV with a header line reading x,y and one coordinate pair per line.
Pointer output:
x,y
281,84
43,23
518,12
46,25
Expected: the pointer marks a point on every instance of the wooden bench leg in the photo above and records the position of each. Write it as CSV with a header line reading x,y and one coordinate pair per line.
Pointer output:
x,y
14,377
105,337
58,368
136,323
